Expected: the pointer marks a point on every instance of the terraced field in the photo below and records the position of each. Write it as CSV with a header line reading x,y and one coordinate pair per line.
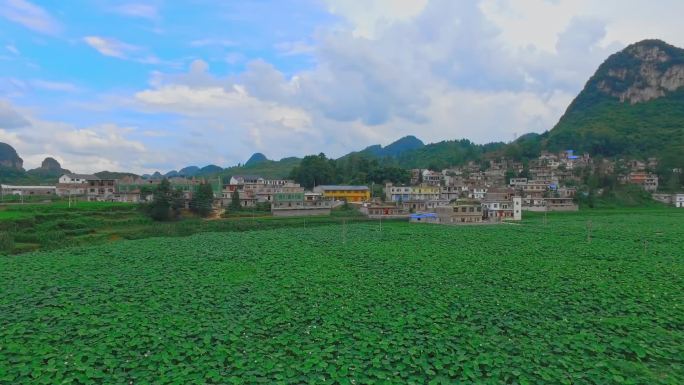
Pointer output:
x,y
585,299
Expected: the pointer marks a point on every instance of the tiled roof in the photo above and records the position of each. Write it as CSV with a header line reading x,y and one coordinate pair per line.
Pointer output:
x,y
351,188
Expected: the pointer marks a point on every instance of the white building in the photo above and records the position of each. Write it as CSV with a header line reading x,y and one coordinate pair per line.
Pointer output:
x,y
76,178
679,200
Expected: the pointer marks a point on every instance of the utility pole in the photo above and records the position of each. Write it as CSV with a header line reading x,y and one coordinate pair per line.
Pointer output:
x,y
589,231
546,210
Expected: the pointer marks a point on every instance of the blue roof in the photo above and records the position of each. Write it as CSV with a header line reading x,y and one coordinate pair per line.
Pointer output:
x,y
423,215
573,157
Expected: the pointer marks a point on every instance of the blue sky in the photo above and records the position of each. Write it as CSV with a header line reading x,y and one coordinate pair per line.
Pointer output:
x,y
159,85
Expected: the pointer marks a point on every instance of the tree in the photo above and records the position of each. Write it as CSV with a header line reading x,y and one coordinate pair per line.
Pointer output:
x,y
314,170
235,201
202,201
160,208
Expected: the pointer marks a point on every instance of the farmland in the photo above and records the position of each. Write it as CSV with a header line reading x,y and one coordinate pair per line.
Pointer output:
x,y
582,298
31,227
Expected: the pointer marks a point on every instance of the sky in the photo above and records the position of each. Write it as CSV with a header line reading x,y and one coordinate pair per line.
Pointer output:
x,y
161,84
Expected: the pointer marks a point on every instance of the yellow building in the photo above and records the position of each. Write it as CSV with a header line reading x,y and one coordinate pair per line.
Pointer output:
x,y
348,193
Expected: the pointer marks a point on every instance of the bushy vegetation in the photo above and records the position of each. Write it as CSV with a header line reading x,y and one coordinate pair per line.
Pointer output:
x,y
351,304
32,227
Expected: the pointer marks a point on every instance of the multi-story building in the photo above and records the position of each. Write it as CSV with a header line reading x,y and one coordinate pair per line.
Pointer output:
x,y
432,178
100,189
451,192
295,204
411,193
517,182
246,179
648,182
346,193
384,211
76,178
460,213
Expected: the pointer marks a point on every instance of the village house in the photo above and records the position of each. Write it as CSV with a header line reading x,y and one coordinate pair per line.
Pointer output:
x,y
502,204
647,181
75,178
432,178
421,206
345,193
560,204
73,184
517,182
679,200
27,191
460,213
411,193
477,192
100,189
535,188
384,211
288,204
246,179
451,192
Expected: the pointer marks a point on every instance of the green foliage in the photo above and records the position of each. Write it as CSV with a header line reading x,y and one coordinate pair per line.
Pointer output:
x,y
446,153
203,200
343,304
166,202
235,201
6,242
315,170
598,123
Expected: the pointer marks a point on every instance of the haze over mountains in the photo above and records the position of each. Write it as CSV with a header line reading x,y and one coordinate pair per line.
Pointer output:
x,y
632,106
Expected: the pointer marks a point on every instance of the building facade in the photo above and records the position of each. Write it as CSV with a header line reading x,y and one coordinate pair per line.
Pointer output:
x,y
345,193
411,193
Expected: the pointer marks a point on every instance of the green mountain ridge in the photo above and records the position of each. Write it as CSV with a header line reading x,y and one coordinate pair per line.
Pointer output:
x,y
632,106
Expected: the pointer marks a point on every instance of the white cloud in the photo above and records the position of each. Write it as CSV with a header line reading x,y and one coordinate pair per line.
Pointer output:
x,y
439,69
368,17
118,49
30,16
11,118
140,10
110,47
212,42
82,149
11,48
48,85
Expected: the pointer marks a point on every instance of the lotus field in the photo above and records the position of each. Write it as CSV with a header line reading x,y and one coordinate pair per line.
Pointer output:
x,y
570,299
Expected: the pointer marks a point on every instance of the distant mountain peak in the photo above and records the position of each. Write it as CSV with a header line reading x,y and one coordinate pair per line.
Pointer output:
x,y
9,157
633,105
643,71
50,164
256,158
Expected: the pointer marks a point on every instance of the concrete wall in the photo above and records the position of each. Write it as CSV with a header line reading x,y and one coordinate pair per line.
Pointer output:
x,y
294,212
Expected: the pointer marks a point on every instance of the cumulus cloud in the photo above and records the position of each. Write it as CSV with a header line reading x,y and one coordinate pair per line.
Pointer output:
x,y
30,16
83,149
439,70
10,118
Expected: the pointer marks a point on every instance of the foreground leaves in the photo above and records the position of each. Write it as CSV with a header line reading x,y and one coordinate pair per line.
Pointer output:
x,y
526,304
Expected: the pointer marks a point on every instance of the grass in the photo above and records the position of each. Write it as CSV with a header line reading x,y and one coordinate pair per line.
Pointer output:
x,y
31,227
350,304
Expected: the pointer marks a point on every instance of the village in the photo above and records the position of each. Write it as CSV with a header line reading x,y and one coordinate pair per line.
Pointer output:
x,y
470,194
